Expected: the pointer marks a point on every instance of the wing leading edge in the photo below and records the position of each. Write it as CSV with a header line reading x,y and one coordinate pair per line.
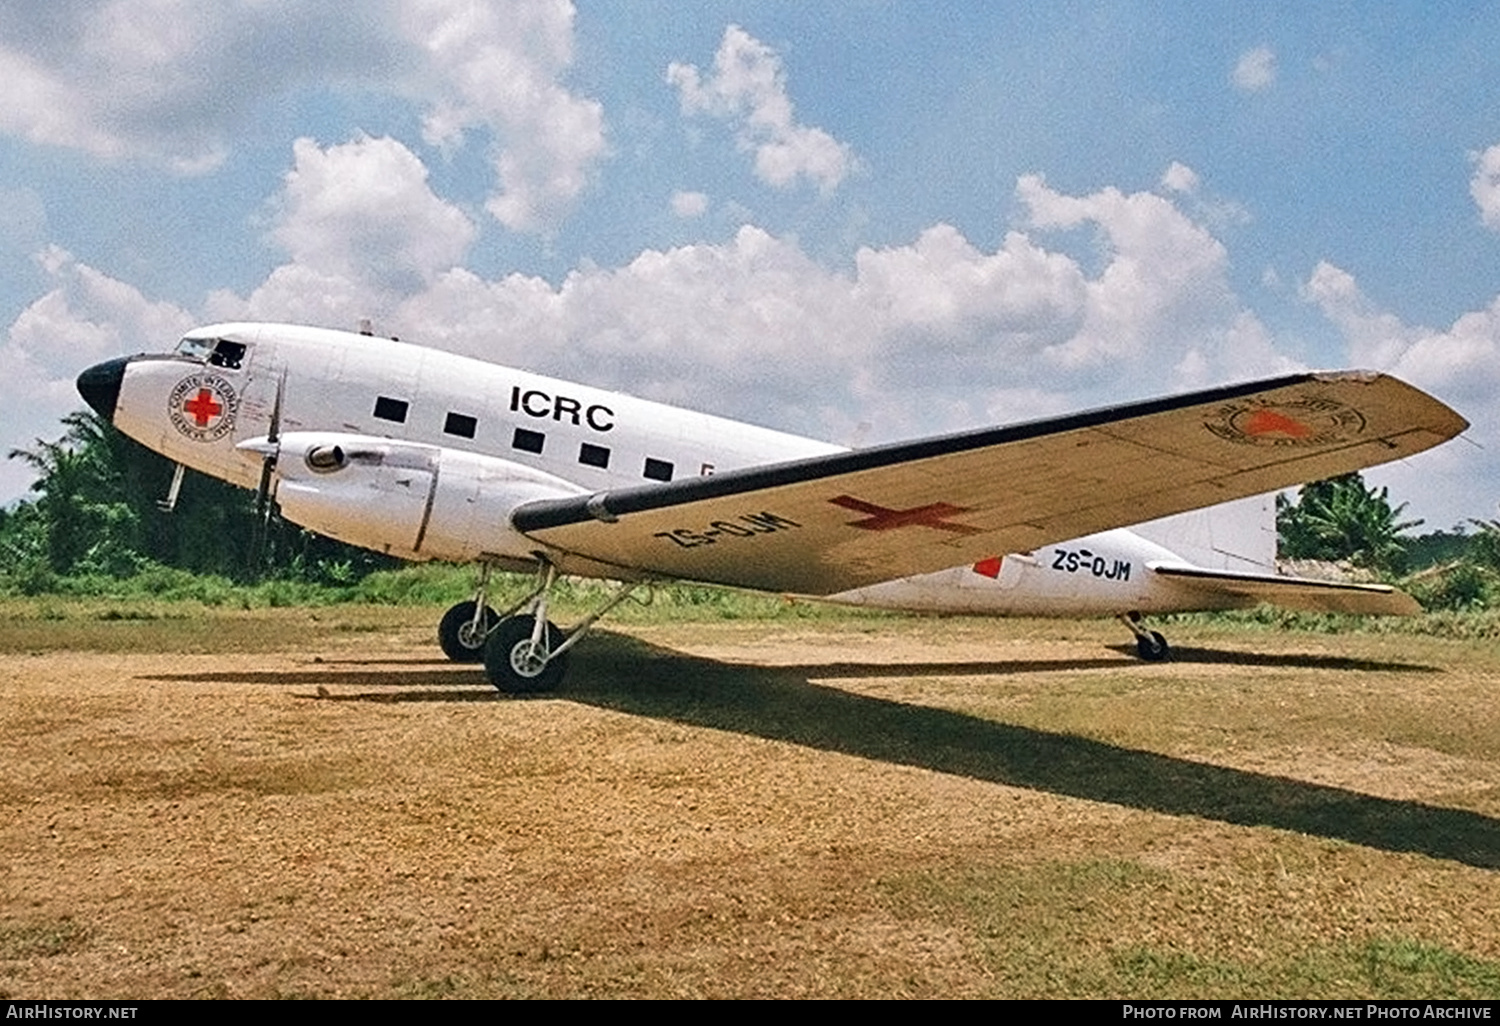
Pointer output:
x,y
831,523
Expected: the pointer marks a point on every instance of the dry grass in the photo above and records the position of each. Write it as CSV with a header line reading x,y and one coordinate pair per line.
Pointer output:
x,y
290,803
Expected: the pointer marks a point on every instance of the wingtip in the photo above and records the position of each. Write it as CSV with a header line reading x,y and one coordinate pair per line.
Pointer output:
x,y
1358,376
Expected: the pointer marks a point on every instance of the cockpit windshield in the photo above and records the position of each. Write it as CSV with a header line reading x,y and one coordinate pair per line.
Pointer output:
x,y
217,352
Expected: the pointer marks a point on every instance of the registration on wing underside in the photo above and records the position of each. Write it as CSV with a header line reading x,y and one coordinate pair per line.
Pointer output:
x,y
748,525
847,520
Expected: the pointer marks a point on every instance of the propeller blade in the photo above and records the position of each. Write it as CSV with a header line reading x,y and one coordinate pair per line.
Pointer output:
x,y
274,434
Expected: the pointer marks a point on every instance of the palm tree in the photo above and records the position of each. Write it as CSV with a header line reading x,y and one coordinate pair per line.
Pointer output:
x,y
85,522
1342,519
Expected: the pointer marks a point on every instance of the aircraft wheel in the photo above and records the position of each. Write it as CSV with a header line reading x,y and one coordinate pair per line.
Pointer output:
x,y
511,664
456,633
1152,648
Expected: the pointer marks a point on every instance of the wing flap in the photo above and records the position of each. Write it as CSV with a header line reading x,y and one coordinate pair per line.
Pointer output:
x,y
832,523
1302,593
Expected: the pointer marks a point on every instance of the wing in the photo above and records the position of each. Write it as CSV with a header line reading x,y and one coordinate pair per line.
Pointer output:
x,y
831,523
1246,590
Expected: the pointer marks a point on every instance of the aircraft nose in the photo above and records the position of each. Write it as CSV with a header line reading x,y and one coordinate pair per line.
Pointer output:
x,y
100,386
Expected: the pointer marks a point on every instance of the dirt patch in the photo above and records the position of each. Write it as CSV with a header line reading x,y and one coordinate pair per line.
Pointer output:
x,y
913,807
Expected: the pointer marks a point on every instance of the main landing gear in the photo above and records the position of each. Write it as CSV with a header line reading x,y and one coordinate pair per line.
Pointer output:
x,y
522,652
1149,645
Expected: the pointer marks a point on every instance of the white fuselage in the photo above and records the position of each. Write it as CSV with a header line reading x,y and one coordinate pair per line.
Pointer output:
x,y
495,436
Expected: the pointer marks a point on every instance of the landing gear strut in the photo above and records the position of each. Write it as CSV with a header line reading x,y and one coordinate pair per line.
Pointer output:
x,y
523,653
1149,645
465,628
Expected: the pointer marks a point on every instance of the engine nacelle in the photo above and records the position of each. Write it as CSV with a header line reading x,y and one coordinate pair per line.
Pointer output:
x,y
409,500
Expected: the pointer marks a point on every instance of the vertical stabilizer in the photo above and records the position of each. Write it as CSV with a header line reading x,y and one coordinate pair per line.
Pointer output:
x,y
1238,536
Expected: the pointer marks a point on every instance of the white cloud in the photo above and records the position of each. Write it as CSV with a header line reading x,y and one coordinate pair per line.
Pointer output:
x,y
689,204
1255,70
930,335
1460,365
748,87
1485,185
363,210
168,81
499,66
364,232
1162,294
85,316
171,81
1180,178
1215,213
1461,362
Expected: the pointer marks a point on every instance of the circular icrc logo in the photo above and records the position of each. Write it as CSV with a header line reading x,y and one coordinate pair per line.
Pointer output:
x,y
1307,422
202,406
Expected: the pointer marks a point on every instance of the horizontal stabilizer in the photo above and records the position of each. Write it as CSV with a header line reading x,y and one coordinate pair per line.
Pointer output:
x,y
1302,593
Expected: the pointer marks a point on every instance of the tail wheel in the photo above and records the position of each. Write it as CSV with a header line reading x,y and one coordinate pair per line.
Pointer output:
x,y
517,667
463,640
1152,647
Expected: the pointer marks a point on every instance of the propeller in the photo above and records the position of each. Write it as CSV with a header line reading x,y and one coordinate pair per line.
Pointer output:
x,y
265,496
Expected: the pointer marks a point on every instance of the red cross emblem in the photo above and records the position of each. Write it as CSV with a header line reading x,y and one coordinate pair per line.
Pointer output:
x,y
202,407
933,515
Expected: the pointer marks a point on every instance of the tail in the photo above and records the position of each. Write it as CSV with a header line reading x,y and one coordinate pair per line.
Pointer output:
x,y
1229,555
1236,536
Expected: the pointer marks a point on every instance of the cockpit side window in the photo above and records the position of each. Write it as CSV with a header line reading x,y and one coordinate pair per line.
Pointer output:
x,y
227,354
195,348
219,352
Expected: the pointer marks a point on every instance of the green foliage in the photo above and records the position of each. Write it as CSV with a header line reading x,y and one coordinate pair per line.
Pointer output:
x,y
1484,547
1459,586
418,585
1437,548
1341,519
81,522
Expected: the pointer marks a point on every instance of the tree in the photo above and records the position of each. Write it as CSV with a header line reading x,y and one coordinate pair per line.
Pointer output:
x,y
1484,547
1342,519
81,518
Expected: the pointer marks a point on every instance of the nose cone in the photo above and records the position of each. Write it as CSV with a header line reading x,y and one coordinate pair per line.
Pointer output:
x,y
100,386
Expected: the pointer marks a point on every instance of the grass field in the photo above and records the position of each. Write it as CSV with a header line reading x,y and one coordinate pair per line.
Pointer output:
x,y
309,802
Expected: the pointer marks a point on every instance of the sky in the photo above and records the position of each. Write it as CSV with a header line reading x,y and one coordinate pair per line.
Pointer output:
x,y
859,221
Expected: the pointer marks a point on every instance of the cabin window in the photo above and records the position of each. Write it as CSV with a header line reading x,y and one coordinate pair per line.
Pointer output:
x,y
591,455
527,440
460,424
658,470
387,408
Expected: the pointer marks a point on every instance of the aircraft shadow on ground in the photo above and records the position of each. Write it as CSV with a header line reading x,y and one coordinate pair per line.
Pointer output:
x,y
782,703
1291,660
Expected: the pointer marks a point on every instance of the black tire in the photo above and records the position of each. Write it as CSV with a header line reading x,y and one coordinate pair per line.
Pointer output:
x,y
504,658
1153,649
455,630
